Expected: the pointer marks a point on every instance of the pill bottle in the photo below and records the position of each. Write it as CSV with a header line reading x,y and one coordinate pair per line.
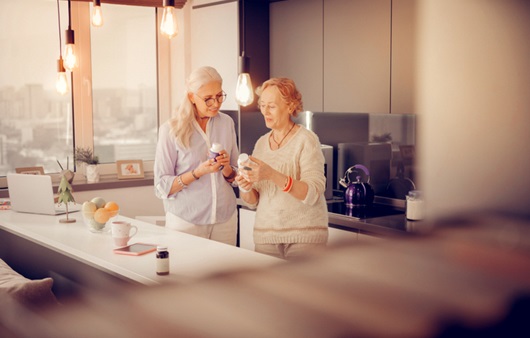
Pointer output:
x,y
162,260
214,152
242,160
415,205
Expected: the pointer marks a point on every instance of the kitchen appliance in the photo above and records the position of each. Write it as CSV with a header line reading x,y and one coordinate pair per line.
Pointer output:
x,y
399,186
358,193
376,156
328,169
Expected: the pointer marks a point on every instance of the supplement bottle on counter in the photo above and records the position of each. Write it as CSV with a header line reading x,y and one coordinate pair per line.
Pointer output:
x,y
414,205
214,152
162,260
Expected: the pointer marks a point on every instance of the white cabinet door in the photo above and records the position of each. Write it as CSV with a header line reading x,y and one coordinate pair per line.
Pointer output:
x,y
338,235
246,227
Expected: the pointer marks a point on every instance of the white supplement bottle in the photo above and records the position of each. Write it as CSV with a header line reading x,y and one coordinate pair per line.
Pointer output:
x,y
214,152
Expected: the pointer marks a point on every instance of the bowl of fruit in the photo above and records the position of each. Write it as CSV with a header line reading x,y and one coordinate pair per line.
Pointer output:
x,y
97,213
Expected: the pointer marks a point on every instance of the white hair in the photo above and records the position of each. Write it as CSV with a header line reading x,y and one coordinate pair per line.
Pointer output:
x,y
181,124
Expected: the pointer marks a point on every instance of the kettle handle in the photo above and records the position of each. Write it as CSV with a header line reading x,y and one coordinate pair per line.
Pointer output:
x,y
345,181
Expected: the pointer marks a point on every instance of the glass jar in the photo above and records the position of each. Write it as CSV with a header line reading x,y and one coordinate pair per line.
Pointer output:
x,y
415,205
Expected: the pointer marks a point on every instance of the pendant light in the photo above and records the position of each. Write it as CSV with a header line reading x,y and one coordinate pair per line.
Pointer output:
x,y
244,91
61,85
168,25
70,59
97,16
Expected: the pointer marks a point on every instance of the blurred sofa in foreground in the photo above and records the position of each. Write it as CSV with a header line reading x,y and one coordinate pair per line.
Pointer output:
x,y
467,277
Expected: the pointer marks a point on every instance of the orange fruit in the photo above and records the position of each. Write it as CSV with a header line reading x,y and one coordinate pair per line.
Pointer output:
x,y
113,208
101,215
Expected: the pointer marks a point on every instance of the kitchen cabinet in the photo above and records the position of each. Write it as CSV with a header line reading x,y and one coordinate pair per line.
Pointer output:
x,y
246,225
338,235
340,53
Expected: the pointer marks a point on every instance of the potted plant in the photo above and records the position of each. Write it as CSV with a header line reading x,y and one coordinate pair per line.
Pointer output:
x,y
65,196
86,157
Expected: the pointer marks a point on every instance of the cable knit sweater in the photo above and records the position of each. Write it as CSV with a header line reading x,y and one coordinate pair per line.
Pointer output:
x,y
281,218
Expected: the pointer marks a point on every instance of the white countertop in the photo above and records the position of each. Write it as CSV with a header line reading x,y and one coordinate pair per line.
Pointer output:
x,y
191,257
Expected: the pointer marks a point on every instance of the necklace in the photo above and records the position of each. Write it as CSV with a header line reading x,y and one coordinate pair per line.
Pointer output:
x,y
279,143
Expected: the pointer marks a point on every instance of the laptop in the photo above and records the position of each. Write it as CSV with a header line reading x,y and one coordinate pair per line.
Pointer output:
x,y
34,194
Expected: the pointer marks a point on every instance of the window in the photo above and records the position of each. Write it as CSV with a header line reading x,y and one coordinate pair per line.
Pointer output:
x,y
120,117
36,122
124,84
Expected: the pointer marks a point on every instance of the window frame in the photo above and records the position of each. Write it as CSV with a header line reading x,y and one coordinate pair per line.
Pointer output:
x,y
82,83
81,87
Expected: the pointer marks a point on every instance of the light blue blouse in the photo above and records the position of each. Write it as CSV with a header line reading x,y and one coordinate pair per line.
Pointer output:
x,y
209,200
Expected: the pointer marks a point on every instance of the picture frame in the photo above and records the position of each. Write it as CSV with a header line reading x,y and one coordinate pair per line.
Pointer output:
x,y
408,152
128,169
30,170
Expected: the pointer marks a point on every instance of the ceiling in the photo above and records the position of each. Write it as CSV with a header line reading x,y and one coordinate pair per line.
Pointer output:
x,y
157,3
148,3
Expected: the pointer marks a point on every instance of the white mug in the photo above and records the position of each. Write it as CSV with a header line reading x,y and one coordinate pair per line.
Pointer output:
x,y
121,232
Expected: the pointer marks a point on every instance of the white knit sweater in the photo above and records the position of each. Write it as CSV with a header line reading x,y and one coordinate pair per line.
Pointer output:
x,y
281,218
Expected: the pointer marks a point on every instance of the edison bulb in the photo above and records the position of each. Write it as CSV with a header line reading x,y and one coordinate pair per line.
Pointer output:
x,y
62,83
244,93
169,26
70,60
97,16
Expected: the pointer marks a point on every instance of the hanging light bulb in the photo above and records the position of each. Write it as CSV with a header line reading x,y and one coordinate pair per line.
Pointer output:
x,y
62,82
169,26
70,60
61,85
244,91
97,16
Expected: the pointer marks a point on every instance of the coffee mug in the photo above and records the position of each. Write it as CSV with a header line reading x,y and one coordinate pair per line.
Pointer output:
x,y
121,232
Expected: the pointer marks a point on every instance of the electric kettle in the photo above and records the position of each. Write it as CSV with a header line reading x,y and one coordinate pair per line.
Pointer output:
x,y
357,194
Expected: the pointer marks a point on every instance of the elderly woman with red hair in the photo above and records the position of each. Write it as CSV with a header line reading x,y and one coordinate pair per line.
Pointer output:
x,y
285,181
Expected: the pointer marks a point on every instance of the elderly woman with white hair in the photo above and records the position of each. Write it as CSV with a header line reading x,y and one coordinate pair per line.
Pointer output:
x,y
196,190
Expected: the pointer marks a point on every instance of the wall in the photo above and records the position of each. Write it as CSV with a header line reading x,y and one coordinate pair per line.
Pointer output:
x,y
214,42
137,201
473,98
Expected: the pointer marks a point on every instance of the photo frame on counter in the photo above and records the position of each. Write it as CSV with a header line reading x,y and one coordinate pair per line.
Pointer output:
x,y
30,170
128,169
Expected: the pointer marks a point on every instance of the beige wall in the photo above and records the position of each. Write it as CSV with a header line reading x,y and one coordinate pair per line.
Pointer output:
x,y
474,105
137,201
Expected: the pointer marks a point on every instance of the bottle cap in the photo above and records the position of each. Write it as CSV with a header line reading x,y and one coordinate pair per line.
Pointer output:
x,y
216,147
242,158
161,248
415,194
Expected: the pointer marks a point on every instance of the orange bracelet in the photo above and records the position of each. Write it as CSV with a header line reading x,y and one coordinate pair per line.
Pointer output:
x,y
288,184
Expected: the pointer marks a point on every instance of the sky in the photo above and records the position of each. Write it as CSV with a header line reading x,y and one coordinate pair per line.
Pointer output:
x,y
30,52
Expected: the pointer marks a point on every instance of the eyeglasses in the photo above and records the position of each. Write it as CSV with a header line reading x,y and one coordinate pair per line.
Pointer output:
x,y
221,97
264,107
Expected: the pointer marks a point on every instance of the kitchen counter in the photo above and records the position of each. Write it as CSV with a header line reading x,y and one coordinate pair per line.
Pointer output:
x,y
379,219
36,245
468,278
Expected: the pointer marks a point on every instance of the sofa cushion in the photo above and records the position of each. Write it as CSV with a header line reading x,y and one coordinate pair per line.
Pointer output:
x,y
29,292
